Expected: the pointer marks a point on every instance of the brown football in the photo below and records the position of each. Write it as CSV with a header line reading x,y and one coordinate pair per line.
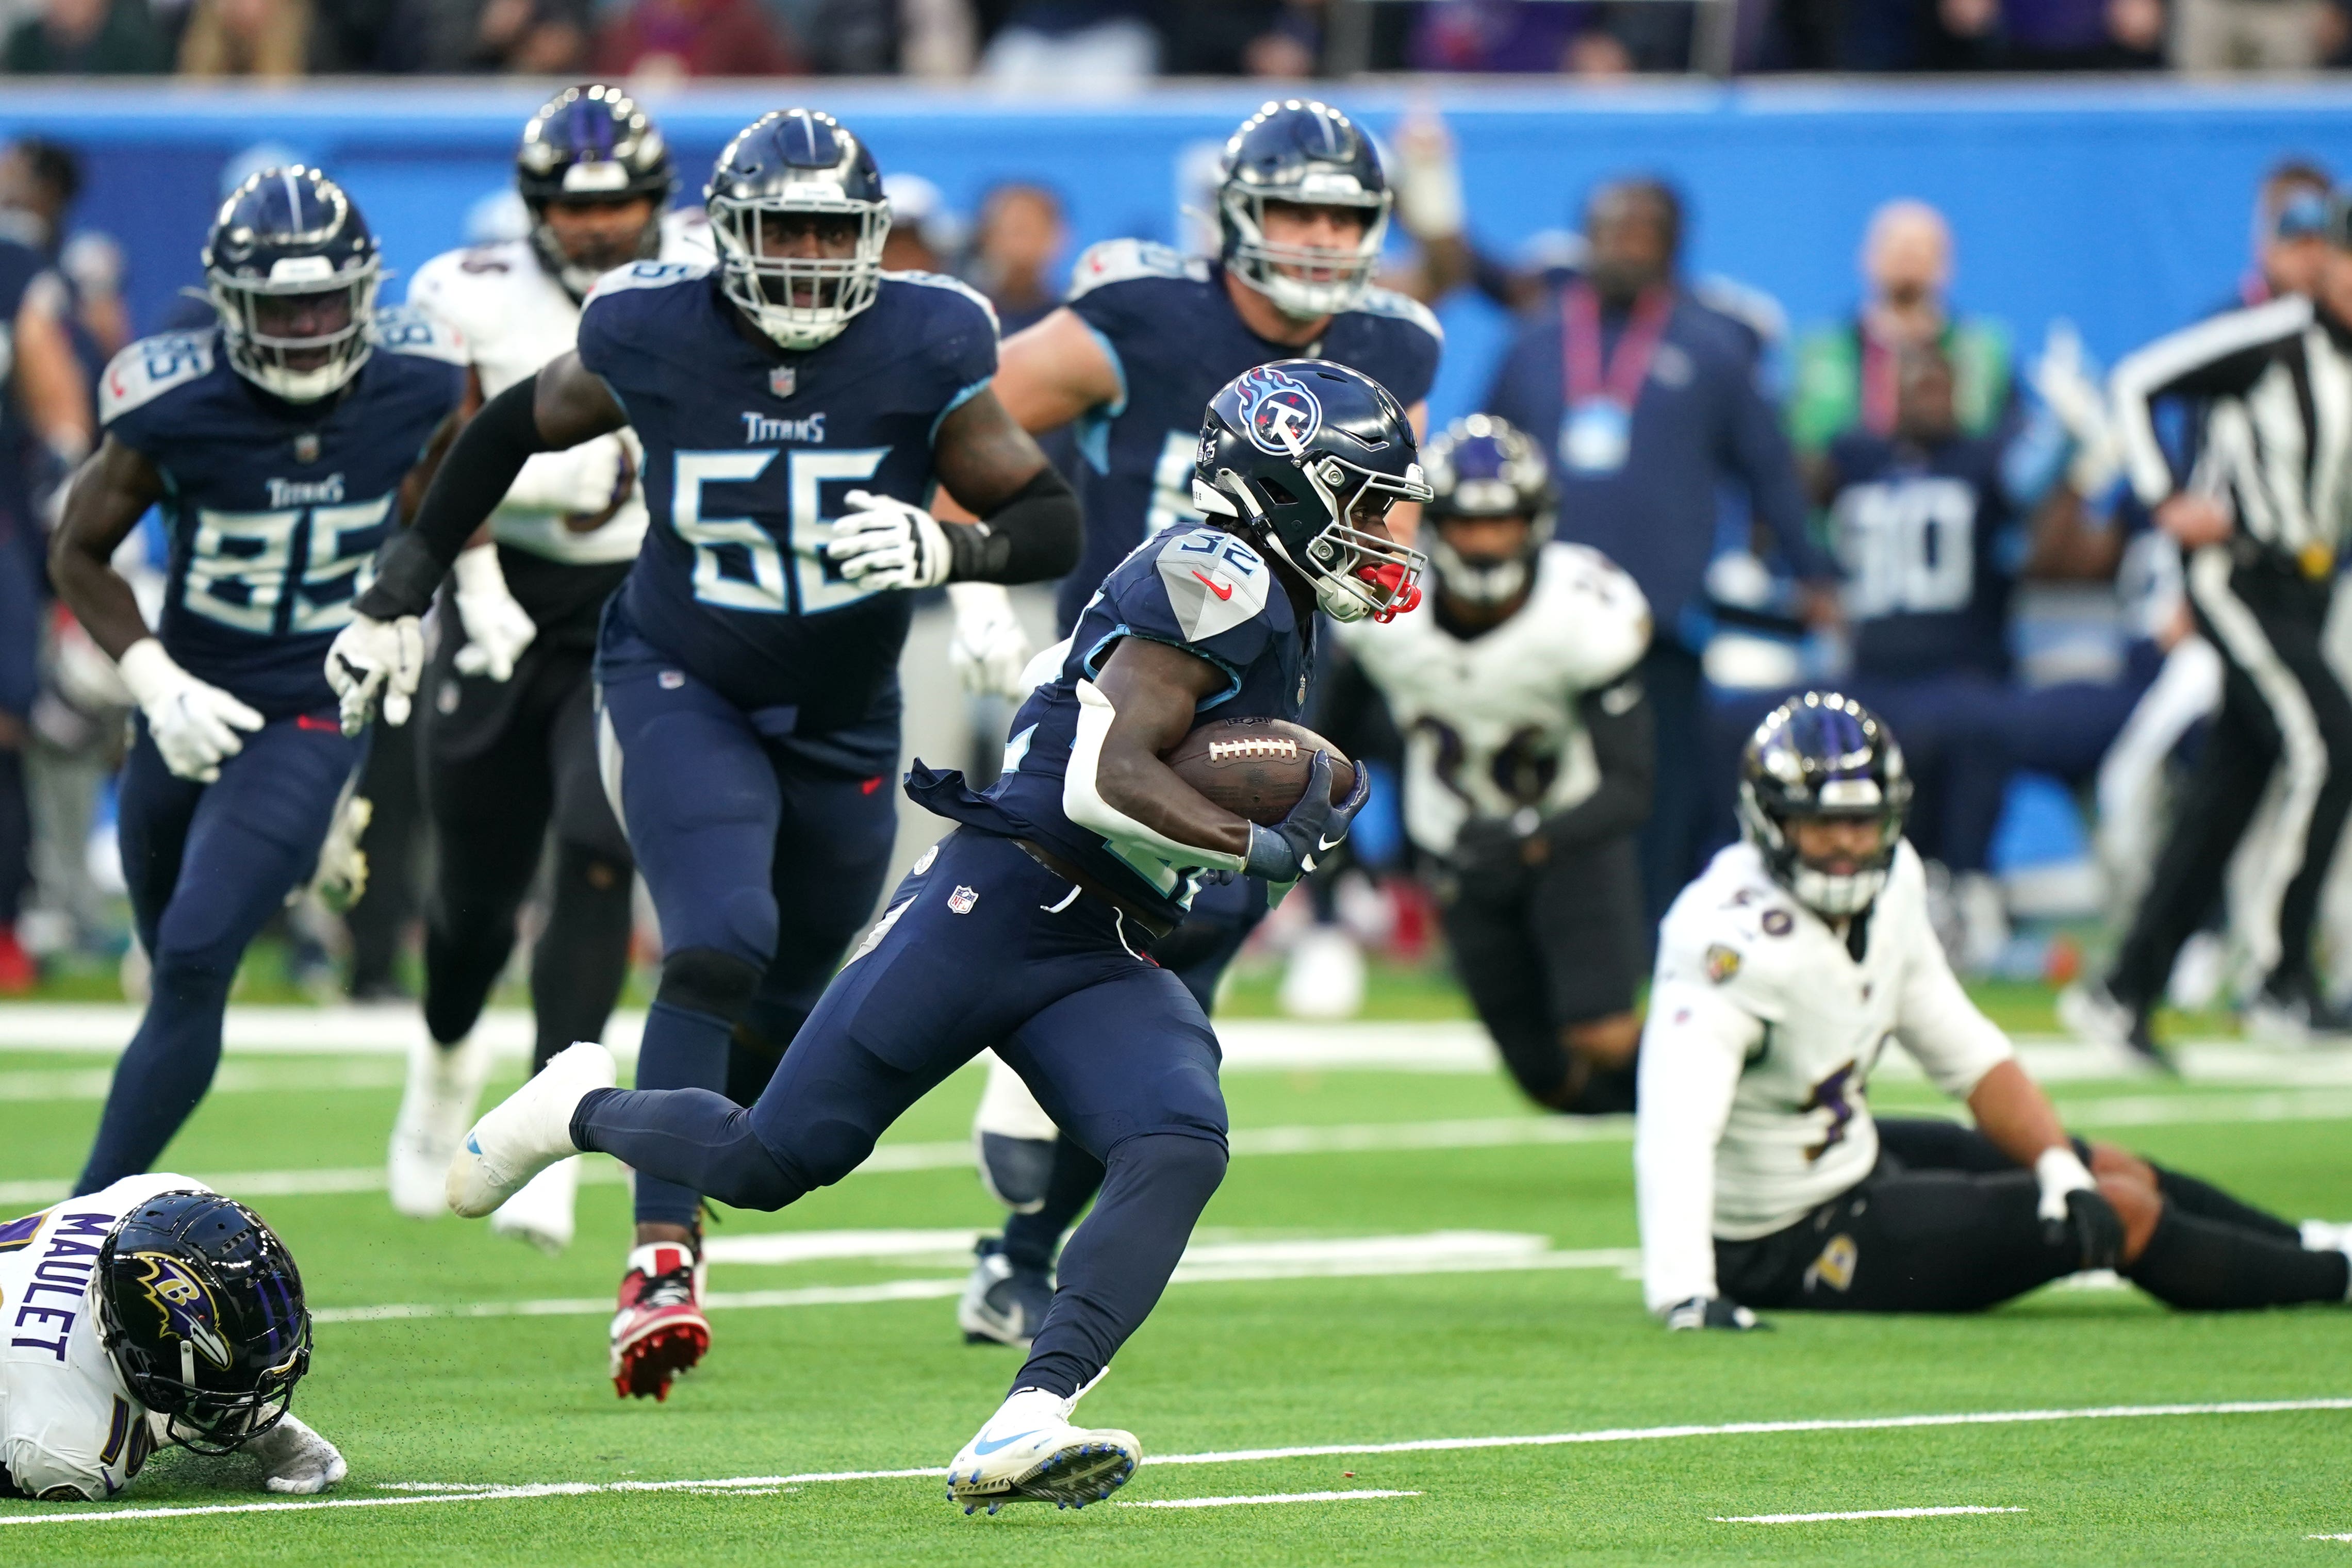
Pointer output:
x,y
1256,767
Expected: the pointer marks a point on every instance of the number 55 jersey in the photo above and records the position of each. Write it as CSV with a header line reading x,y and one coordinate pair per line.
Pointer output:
x,y
275,509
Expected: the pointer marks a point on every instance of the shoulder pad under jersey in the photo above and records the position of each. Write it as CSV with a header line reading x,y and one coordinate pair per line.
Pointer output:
x,y
1605,609
408,330
1402,307
647,275
940,280
1123,260
151,367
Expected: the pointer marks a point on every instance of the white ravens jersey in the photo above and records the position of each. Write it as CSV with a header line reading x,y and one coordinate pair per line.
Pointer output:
x,y
583,505
68,1427
1762,1034
1490,722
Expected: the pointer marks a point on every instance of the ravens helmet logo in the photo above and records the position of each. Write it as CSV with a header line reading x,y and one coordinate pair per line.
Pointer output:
x,y
184,1303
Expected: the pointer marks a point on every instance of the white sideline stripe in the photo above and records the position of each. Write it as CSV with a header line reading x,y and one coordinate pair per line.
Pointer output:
x,y
2328,1538
1346,1260
1858,1514
234,1078
1486,1132
416,1494
1266,1497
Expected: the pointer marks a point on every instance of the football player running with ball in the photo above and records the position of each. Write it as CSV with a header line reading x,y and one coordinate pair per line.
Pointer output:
x,y
280,446
1783,972
796,405
1024,931
1528,764
509,721
154,1313
1145,340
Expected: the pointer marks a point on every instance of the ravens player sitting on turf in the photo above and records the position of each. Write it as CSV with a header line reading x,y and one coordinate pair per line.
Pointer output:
x,y
1783,972
1023,932
1528,764
1145,340
151,1314
797,405
280,445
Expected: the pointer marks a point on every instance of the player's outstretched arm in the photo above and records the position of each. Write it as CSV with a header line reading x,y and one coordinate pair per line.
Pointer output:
x,y
2012,1111
1054,371
1692,1052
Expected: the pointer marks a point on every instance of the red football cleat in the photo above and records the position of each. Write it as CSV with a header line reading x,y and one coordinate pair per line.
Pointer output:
x,y
660,1331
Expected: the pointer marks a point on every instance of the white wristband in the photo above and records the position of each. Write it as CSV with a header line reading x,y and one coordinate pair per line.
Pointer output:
x,y
2060,1171
150,672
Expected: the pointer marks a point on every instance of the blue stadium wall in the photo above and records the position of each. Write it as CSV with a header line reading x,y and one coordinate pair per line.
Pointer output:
x,y
2123,207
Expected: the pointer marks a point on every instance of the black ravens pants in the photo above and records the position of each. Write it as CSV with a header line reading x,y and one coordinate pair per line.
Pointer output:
x,y
2283,711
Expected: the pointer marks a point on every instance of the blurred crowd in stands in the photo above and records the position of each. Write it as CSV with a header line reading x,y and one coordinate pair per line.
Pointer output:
x,y
1065,46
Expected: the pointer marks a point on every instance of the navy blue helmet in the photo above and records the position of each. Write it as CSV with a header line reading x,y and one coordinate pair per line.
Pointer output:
x,y
1824,755
592,143
791,170
292,270
1483,467
1310,456
200,1306
1307,155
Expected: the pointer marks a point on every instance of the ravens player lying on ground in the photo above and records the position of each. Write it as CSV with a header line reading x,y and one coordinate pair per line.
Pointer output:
x,y
1783,972
280,444
508,719
153,1313
1024,931
1145,340
1528,764
796,405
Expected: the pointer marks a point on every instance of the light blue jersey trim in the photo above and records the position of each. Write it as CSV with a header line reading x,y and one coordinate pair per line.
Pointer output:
x,y
1094,425
955,403
1232,676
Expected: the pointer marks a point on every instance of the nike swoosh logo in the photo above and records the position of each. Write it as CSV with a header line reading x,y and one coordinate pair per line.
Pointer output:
x,y
983,1446
1329,845
1221,590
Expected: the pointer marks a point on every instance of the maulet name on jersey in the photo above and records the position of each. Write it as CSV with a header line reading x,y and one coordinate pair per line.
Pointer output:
x,y
64,1269
759,427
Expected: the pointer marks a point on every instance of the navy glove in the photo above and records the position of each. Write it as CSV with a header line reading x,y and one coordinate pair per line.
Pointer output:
x,y
1713,1313
1314,827
2093,1226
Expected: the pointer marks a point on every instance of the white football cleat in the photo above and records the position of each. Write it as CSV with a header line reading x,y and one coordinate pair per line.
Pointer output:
x,y
1029,1451
444,1083
540,1213
527,1132
1325,977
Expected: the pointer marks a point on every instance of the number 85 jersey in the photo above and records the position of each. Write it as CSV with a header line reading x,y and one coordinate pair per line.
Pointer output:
x,y
275,509
750,454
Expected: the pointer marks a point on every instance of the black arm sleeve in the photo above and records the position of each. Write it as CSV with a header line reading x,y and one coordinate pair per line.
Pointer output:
x,y
1623,742
1033,538
473,479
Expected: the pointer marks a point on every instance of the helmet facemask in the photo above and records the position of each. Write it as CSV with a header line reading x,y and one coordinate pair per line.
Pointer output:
x,y
300,334
1482,581
799,301
578,263
1358,572
1836,893
1303,281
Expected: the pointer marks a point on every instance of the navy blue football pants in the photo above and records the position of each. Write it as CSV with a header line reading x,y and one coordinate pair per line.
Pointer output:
x,y
209,865
980,948
762,863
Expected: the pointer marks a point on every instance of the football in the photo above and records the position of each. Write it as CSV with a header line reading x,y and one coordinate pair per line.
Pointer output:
x,y
1256,767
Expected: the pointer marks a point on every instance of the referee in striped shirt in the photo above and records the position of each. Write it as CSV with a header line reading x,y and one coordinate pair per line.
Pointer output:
x,y
2262,522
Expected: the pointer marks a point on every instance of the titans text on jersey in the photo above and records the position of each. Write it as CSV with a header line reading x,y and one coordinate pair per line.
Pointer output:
x,y
1166,323
275,509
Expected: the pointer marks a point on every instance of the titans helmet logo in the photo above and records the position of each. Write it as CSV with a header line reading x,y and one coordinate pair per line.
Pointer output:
x,y
1280,415
185,1305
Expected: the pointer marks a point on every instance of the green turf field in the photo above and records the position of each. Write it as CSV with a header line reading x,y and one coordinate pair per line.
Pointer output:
x,y
495,1439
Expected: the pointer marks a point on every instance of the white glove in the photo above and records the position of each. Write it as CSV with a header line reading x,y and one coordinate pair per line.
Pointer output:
x,y
340,879
372,657
194,722
2062,378
497,628
989,649
885,543
296,1460
587,478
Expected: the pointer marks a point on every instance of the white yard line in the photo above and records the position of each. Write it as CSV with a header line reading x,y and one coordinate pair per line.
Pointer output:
x,y
1476,1132
1858,1514
417,1495
1266,1497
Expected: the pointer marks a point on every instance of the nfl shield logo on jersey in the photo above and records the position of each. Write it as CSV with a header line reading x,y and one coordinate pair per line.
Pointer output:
x,y
783,379
960,901
305,447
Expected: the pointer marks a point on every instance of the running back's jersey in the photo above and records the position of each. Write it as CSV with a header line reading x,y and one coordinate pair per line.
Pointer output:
x,y
1491,723
1196,588
1173,333
1763,1032
1931,547
749,454
580,507
68,1427
275,509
